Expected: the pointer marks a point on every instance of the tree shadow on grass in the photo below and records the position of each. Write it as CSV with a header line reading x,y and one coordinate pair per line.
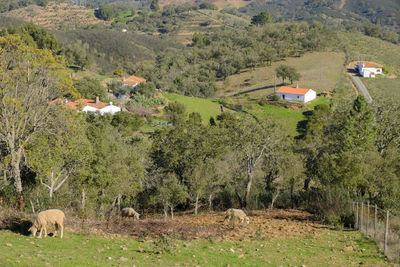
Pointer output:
x,y
16,225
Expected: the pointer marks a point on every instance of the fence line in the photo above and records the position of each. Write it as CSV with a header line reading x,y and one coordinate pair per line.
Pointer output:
x,y
379,225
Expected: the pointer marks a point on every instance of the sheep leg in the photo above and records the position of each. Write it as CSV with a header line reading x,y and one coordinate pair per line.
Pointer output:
x,y
41,231
62,230
45,232
56,229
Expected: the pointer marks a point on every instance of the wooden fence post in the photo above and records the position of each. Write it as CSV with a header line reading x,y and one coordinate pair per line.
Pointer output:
x,y
386,233
375,220
356,215
366,230
361,215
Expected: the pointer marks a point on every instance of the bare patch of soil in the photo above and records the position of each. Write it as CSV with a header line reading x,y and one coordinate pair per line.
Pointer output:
x,y
273,224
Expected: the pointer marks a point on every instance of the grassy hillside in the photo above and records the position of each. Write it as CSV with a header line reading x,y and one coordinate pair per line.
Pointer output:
x,y
360,47
319,71
57,16
206,107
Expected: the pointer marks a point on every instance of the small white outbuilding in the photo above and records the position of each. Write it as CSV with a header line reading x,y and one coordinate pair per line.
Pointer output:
x,y
303,95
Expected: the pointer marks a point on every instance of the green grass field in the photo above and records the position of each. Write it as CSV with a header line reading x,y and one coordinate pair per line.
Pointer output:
x,y
319,71
326,249
206,107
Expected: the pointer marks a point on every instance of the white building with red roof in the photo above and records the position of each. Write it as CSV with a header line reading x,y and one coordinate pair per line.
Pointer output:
x,y
88,105
369,70
303,95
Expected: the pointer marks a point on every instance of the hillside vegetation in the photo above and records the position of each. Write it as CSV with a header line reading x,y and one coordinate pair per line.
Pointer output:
x,y
57,16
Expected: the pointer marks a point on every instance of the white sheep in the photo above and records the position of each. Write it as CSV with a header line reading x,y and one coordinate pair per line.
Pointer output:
x,y
233,214
47,218
129,212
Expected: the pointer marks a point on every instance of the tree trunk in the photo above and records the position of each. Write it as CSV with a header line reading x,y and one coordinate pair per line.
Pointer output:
x,y
196,204
32,206
83,199
274,197
118,204
165,211
248,188
16,171
101,210
210,202
172,211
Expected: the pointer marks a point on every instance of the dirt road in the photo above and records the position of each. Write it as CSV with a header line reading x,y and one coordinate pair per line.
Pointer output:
x,y
361,88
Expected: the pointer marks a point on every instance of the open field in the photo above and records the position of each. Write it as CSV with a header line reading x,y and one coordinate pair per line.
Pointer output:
x,y
273,238
205,21
57,16
383,88
319,71
206,107
365,48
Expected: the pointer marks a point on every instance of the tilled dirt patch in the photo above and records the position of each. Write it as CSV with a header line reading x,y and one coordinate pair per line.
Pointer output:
x,y
273,224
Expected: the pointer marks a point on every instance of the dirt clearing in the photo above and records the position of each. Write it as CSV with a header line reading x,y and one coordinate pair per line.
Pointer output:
x,y
273,224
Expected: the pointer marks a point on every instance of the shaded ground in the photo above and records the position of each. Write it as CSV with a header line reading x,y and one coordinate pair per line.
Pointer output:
x,y
268,224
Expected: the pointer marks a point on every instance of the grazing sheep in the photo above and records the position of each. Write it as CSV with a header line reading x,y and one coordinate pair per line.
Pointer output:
x,y
47,218
129,212
233,214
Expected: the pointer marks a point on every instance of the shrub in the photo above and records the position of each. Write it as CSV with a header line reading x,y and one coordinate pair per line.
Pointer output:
x,y
387,69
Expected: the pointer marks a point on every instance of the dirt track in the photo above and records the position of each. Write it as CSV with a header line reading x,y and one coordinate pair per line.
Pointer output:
x,y
267,224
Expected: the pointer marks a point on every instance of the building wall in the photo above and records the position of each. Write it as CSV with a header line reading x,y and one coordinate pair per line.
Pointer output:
x,y
310,95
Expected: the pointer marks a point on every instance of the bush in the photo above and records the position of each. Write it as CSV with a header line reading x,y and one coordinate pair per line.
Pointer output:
x,y
387,69
148,102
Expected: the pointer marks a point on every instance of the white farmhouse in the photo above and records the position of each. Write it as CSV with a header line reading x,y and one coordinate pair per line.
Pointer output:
x,y
89,105
296,94
367,69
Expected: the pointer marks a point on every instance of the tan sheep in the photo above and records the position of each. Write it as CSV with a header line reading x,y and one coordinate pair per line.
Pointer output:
x,y
47,218
233,214
129,212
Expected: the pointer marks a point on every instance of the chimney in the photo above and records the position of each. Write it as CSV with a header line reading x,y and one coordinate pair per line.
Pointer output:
x,y
110,103
97,100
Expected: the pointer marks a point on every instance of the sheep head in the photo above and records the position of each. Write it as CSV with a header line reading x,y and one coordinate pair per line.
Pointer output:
x,y
33,230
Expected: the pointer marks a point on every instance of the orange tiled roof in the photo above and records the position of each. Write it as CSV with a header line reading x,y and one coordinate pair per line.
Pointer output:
x,y
81,103
293,90
133,80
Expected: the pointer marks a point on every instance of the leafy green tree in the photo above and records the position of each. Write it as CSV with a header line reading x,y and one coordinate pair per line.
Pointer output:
x,y
60,151
176,112
90,88
261,18
105,13
200,40
29,79
287,72
170,193
154,5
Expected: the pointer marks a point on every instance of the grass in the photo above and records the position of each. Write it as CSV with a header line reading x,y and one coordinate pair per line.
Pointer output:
x,y
361,47
319,71
383,88
206,107
326,249
288,118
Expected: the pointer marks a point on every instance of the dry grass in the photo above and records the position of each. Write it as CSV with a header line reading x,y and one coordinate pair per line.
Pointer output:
x,y
312,67
57,16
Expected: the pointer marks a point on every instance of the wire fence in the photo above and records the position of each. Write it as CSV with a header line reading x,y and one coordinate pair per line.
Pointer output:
x,y
381,226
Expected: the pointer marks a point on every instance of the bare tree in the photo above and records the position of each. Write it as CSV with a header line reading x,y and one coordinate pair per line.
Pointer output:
x,y
29,80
